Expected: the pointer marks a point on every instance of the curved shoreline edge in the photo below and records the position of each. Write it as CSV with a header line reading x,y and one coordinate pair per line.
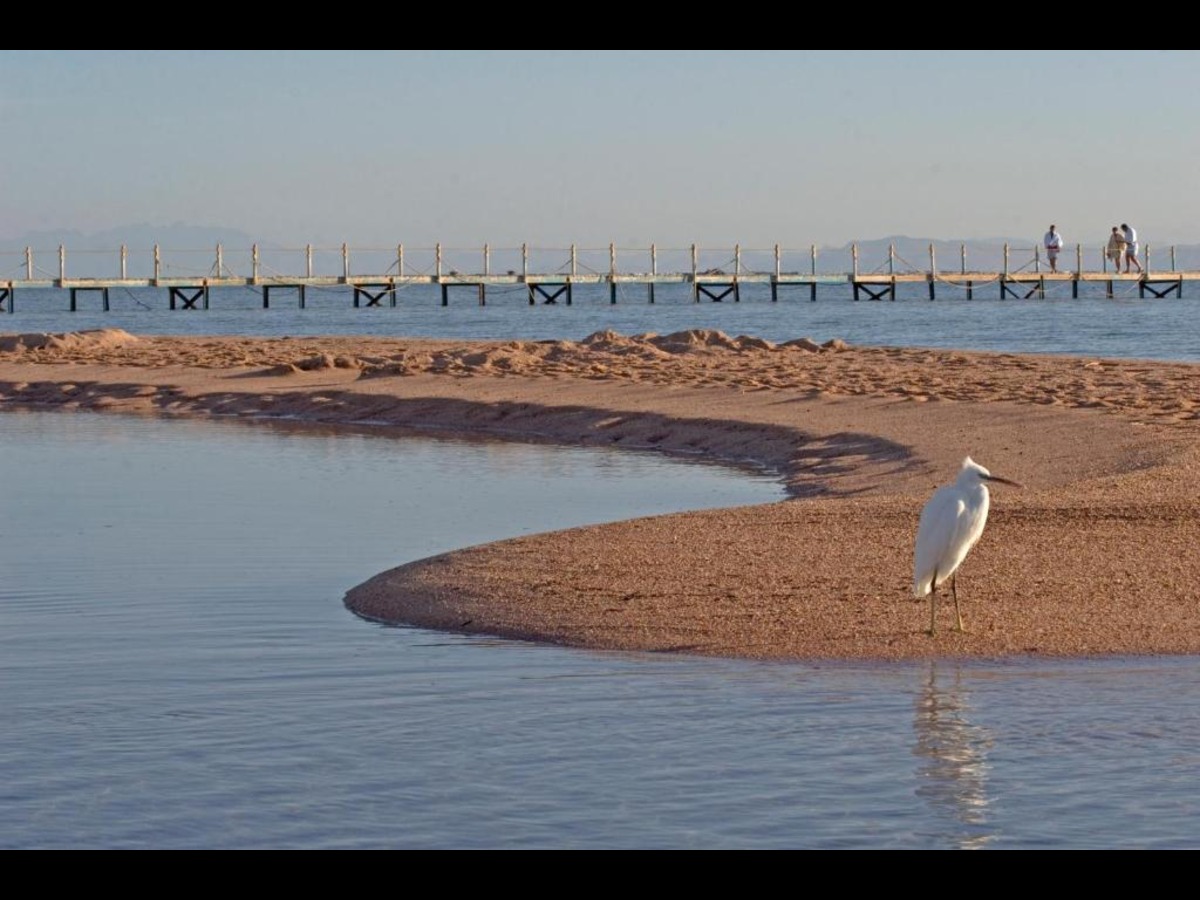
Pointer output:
x,y
1096,557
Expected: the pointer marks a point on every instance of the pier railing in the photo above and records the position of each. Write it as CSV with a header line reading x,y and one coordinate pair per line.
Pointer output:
x,y
257,264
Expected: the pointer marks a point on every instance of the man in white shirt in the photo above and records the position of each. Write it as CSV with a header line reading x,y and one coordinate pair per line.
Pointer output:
x,y
1131,248
1054,243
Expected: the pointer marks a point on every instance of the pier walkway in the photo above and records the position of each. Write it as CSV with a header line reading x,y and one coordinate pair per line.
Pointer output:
x,y
713,275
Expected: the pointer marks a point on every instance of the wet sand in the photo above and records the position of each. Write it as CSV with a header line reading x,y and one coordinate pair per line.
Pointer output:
x,y
1097,555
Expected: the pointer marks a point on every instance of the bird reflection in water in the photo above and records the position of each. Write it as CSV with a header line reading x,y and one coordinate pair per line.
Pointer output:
x,y
953,776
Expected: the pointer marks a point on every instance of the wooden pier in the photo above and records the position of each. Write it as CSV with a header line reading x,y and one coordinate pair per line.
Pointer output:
x,y
1019,275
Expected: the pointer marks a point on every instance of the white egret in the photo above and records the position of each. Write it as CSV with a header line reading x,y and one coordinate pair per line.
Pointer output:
x,y
951,524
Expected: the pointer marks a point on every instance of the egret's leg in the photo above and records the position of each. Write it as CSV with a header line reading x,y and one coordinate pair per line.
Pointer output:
x,y
932,602
954,591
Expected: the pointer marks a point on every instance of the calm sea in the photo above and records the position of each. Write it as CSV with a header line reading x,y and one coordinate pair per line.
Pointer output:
x,y
178,670
1124,326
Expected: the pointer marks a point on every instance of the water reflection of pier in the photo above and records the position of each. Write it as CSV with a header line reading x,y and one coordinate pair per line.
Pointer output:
x,y
953,771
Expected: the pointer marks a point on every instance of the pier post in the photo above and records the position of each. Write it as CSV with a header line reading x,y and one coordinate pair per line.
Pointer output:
x,y
487,271
653,270
254,262
737,271
1004,275
266,297
854,268
1078,270
8,294
932,272
813,287
612,273
695,273
775,280
525,273
962,253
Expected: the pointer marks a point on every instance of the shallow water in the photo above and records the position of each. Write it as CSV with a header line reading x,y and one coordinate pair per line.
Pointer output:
x,y
179,671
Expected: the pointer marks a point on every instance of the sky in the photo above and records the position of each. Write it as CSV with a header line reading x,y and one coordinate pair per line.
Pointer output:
x,y
553,147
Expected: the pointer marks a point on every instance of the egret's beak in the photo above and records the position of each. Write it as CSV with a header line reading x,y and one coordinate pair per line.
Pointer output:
x,y
1007,481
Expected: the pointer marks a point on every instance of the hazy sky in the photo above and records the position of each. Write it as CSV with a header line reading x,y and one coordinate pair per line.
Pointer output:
x,y
797,147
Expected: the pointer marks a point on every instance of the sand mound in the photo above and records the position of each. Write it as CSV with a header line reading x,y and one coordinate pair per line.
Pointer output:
x,y
806,344
615,341
96,339
696,338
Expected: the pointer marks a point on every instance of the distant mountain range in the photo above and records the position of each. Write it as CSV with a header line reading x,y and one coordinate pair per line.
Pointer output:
x,y
97,255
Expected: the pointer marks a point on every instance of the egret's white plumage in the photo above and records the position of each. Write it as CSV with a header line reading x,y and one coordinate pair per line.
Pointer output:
x,y
951,524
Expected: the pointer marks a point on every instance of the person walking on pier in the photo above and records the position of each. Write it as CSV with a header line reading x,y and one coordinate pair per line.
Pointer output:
x,y
1116,248
1131,248
1054,243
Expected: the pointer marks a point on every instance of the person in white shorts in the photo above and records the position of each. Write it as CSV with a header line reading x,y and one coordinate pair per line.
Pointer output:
x,y
1053,242
1131,248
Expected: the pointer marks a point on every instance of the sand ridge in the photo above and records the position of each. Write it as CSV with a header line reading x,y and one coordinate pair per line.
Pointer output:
x,y
1154,390
1095,556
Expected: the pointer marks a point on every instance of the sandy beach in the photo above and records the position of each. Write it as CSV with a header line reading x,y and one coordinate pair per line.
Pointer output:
x,y
1096,555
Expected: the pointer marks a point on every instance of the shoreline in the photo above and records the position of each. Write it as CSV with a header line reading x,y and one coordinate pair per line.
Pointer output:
x,y
1094,557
